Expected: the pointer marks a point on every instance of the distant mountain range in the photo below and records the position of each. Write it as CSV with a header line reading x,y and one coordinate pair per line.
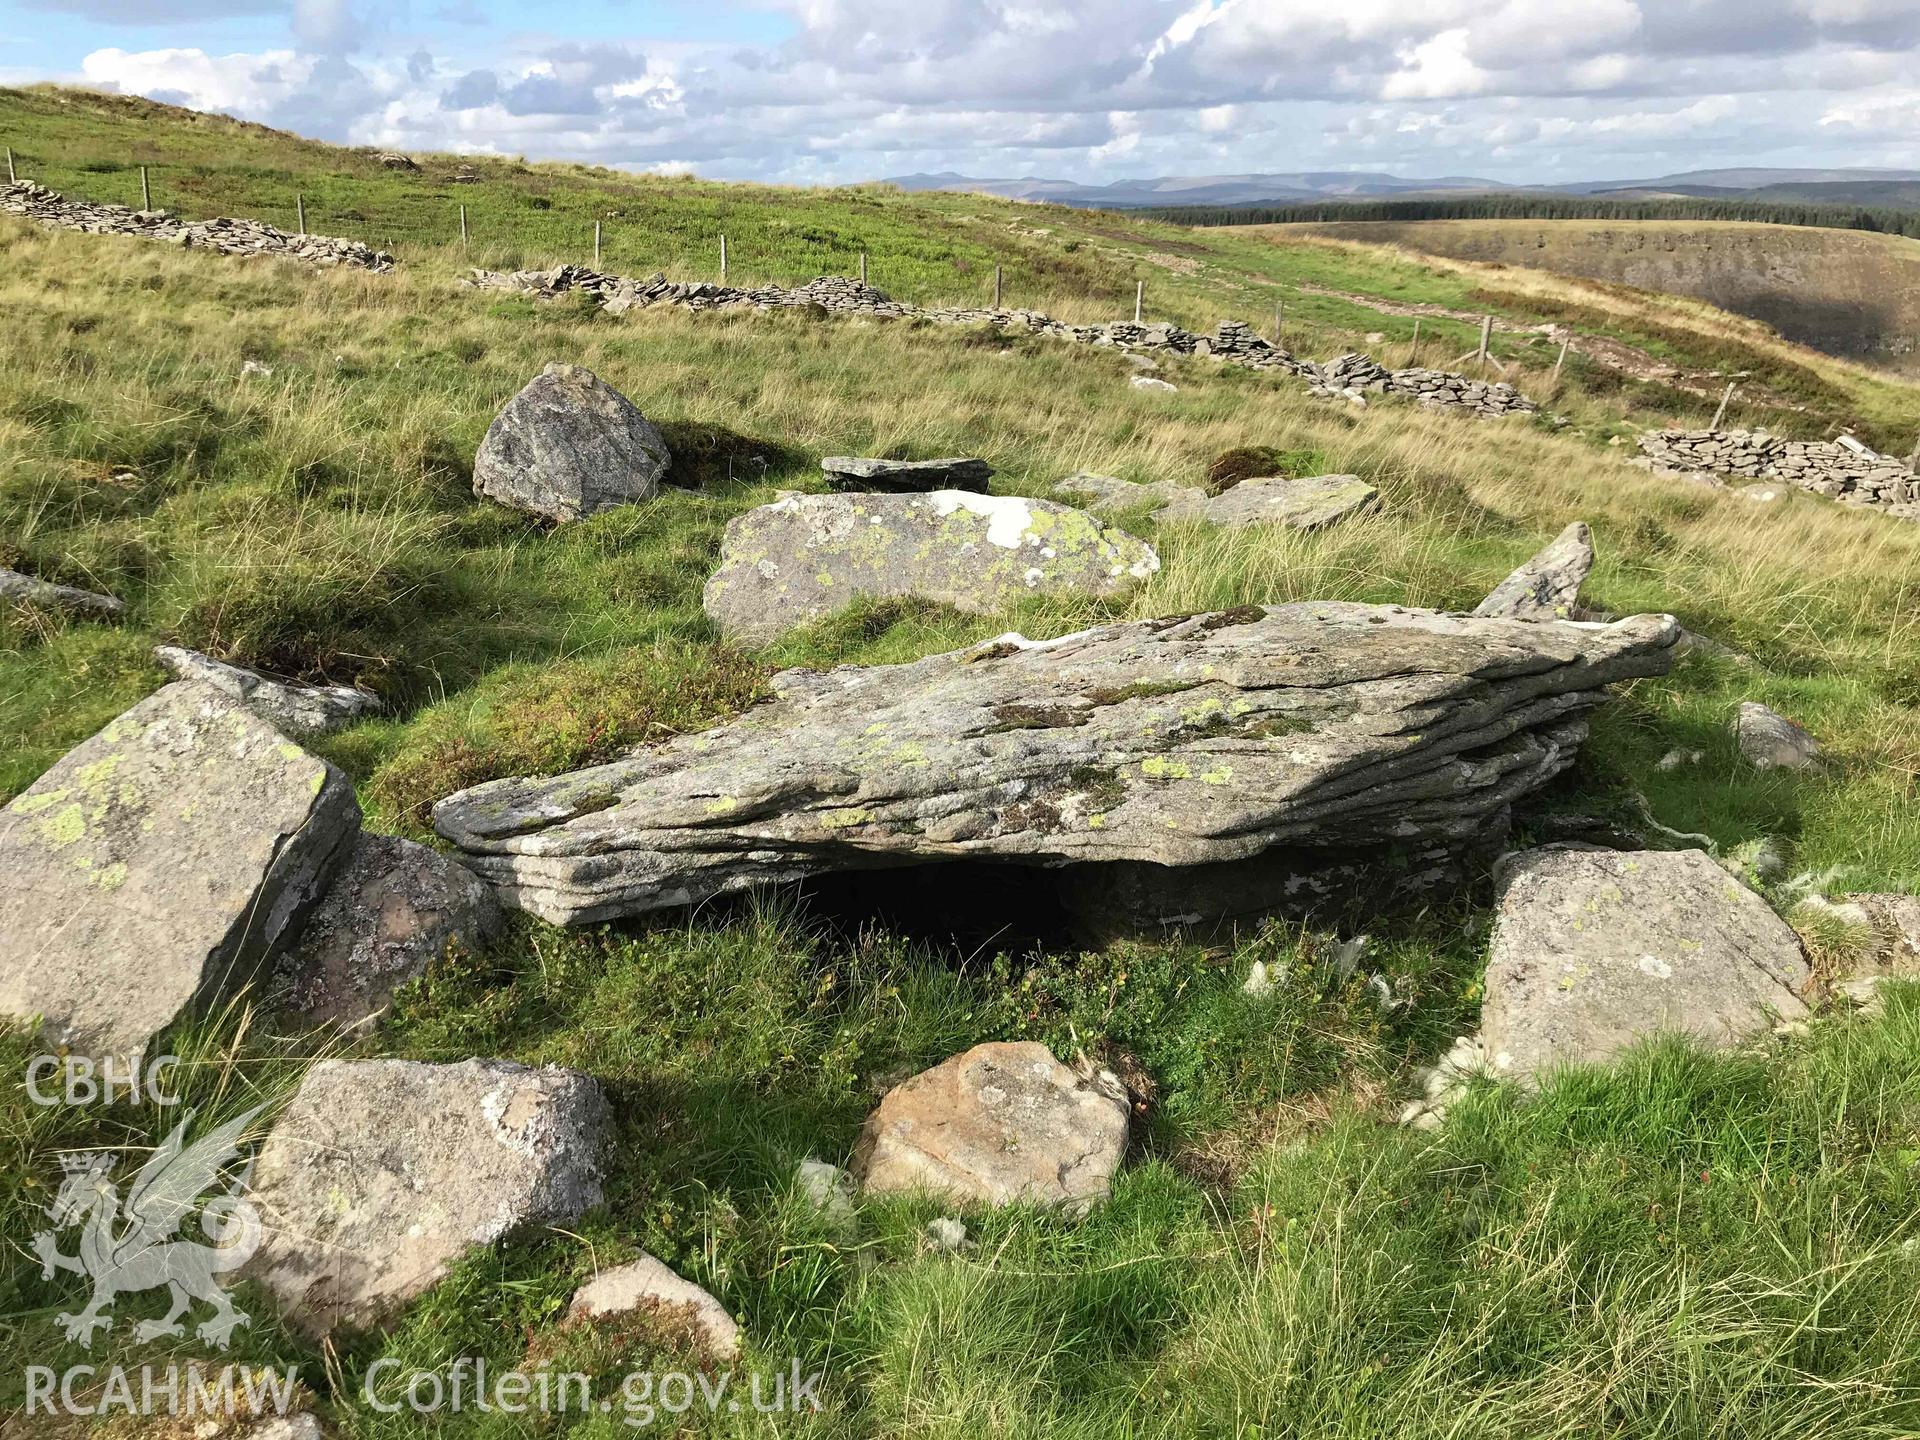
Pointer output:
x,y
1896,188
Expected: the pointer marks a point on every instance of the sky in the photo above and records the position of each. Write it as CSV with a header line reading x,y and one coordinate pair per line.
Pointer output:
x,y
1531,91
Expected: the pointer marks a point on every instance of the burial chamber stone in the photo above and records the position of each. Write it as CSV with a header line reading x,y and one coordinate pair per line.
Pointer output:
x,y
1184,741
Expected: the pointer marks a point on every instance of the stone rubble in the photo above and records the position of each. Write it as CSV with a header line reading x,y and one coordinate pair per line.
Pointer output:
x,y
298,711
1311,503
225,235
24,590
1234,342
1842,469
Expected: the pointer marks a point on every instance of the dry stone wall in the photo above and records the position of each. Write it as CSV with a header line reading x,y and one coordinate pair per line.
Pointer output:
x,y
229,237
1844,469
1234,343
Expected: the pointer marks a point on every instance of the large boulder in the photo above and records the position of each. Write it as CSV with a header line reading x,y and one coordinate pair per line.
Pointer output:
x,y
393,911
297,710
858,472
1547,587
1182,741
45,595
1770,741
805,556
151,870
1001,1124
647,1286
380,1174
569,446
1594,949
1308,504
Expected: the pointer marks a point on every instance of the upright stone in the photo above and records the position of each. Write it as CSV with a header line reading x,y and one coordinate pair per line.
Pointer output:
x,y
151,870
381,1174
1594,949
1547,587
568,446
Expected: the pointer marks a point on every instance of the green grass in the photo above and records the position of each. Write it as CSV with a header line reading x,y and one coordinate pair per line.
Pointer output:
x,y
1686,1245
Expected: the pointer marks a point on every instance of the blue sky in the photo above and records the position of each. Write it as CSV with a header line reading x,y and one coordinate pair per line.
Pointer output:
x,y
829,90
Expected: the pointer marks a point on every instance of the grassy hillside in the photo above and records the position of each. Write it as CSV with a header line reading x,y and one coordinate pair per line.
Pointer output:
x,y
1842,292
1689,1245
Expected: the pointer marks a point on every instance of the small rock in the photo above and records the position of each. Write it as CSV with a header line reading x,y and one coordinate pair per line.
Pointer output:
x,y
1674,759
1770,741
568,446
301,711
393,911
1259,981
828,1189
947,1235
1593,949
381,1174
253,369
1148,382
1547,587
647,1285
852,472
1000,1124
41,594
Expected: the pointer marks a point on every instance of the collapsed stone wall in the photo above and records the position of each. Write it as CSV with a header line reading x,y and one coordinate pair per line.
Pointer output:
x,y
227,236
1351,377
1843,469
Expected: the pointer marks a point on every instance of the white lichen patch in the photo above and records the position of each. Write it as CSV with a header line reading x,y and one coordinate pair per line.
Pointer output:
x,y
1009,517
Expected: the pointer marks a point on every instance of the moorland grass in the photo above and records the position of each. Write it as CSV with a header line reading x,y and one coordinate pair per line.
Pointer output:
x,y
1685,1245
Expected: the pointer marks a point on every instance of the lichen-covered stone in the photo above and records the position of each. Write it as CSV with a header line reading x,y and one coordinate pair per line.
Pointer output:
x,y
862,473
805,556
568,446
45,595
648,1286
152,869
1595,949
1001,1124
1179,742
1547,587
297,710
392,912
382,1173
1307,504
1770,741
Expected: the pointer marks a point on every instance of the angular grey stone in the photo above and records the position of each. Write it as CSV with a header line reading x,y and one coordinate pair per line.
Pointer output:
x,y
1148,382
1770,741
1181,742
568,446
1001,1124
1594,949
648,1285
1306,504
1547,587
382,1173
853,472
392,912
150,871
297,710
44,595
805,556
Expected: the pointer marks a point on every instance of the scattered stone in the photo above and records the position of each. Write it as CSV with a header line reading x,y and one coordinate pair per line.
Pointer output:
x,y
1307,504
301,711
568,446
1260,980
1148,382
1445,1082
382,1173
253,369
828,1189
947,1235
805,556
649,1286
1001,1124
1547,587
1892,949
393,161
44,595
853,472
152,869
1760,862
1674,759
393,911
300,1425
1770,741
1175,742
227,237
1594,949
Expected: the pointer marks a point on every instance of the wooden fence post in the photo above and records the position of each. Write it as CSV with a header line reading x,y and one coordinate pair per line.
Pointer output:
x,y
11,177
723,259
1721,413
300,210
1486,338
1565,341
1279,322
863,267
1914,462
596,244
996,287
1413,351
146,190
463,227
1139,299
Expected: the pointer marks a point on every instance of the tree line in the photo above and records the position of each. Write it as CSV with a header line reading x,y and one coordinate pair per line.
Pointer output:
x,y
1546,207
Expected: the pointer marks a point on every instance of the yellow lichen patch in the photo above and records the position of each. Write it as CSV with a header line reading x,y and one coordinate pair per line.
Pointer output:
x,y
112,877
842,819
33,804
65,826
1219,775
289,751
1162,767
722,805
